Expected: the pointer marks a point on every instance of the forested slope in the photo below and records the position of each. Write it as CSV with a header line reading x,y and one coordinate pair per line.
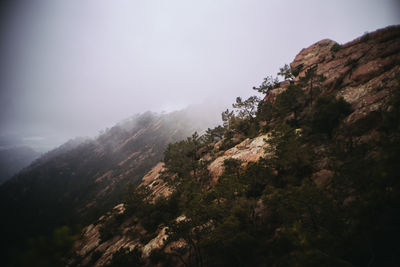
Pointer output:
x,y
306,176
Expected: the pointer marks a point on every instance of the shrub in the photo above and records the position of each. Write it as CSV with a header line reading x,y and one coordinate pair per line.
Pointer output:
x,y
328,112
124,258
336,47
265,111
109,229
291,100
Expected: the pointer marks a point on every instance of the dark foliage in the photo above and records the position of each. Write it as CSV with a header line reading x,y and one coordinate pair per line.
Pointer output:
x,y
126,258
336,47
352,221
290,101
67,185
328,113
273,212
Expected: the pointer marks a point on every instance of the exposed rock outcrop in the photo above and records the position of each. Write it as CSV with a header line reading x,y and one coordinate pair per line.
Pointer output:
x,y
91,244
250,150
154,181
353,63
363,72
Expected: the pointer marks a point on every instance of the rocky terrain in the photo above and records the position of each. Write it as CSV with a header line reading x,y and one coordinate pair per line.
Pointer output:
x,y
82,179
365,73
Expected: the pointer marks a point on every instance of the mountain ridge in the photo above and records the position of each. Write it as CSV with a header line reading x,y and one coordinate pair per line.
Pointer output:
x,y
307,176
354,87
85,177
13,159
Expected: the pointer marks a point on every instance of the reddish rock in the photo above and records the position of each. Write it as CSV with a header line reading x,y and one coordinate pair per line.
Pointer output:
x,y
250,150
358,60
312,55
271,95
365,72
362,71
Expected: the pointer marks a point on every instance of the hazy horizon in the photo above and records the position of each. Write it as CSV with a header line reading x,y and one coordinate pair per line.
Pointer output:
x,y
73,68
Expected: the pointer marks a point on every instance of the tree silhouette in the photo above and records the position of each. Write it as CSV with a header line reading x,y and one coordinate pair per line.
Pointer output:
x,y
312,81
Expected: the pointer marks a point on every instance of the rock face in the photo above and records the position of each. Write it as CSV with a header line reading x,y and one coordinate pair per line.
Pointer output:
x,y
91,245
312,55
155,243
90,250
362,71
353,63
157,185
250,150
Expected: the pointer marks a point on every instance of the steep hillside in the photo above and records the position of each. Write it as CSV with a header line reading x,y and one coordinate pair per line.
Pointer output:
x,y
14,159
82,179
308,176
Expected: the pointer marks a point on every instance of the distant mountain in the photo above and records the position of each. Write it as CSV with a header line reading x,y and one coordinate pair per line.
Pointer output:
x,y
80,180
13,159
307,176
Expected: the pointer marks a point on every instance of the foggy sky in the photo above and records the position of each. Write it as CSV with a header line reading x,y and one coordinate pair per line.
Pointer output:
x,y
72,68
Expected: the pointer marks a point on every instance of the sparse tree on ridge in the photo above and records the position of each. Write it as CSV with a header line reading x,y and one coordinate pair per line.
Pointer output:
x,y
313,81
286,73
246,109
227,116
268,84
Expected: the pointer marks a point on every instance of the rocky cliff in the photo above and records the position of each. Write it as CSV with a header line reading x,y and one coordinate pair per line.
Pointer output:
x,y
362,71
275,166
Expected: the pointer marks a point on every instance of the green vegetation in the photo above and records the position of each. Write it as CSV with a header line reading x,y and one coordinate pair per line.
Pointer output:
x,y
328,113
126,258
272,212
151,215
336,47
269,83
81,180
241,121
290,102
312,83
276,211
110,228
286,73
43,251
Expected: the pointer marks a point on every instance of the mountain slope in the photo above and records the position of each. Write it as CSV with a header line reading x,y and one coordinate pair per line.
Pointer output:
x,y
310,179
14,159
83,178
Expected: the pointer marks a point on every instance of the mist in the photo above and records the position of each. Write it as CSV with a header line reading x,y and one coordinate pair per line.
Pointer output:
x,y
72,68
